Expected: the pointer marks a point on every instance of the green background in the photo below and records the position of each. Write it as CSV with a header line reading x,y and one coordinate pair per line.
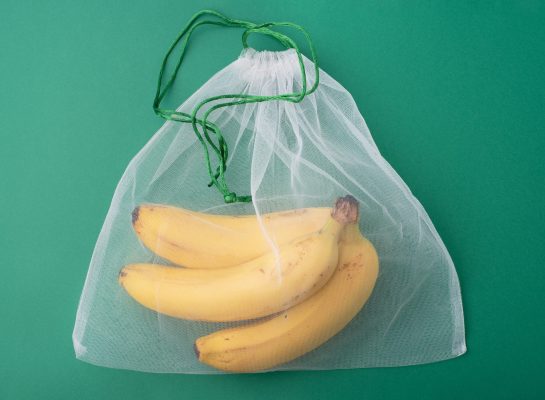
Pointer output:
x,y
453,92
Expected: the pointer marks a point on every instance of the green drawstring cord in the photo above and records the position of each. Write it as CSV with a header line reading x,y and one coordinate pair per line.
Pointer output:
x,y
220,148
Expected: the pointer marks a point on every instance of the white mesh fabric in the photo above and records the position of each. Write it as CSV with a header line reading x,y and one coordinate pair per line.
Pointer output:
x,y
287,156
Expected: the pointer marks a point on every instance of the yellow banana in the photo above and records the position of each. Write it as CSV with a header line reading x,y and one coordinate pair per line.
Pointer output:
x,y
306,326
257,288
198,240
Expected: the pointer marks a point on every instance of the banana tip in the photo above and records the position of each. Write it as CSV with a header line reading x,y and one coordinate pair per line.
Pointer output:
x,y
196,350
135,213
122,274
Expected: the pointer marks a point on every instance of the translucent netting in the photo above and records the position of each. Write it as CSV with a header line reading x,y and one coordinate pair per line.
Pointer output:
x,y
286,156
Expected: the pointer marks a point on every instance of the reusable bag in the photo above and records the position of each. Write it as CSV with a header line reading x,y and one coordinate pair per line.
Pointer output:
x,y
260,229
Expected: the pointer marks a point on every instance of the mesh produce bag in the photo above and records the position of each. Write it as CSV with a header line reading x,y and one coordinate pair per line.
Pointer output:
x,y
266,269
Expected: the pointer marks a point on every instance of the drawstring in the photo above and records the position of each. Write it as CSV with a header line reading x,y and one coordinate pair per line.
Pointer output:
x,y
201,126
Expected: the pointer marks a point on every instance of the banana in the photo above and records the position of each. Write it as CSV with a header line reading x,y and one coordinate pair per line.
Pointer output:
x,y
306,326
198,240
260,287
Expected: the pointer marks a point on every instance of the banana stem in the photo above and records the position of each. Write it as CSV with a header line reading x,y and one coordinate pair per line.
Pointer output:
x,y
346,210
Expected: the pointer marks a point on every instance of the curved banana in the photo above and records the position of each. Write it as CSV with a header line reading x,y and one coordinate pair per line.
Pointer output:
x,y
306,326
198,240
257,288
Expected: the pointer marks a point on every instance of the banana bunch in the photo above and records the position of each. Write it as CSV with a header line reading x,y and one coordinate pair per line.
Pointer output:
x,y
318,278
